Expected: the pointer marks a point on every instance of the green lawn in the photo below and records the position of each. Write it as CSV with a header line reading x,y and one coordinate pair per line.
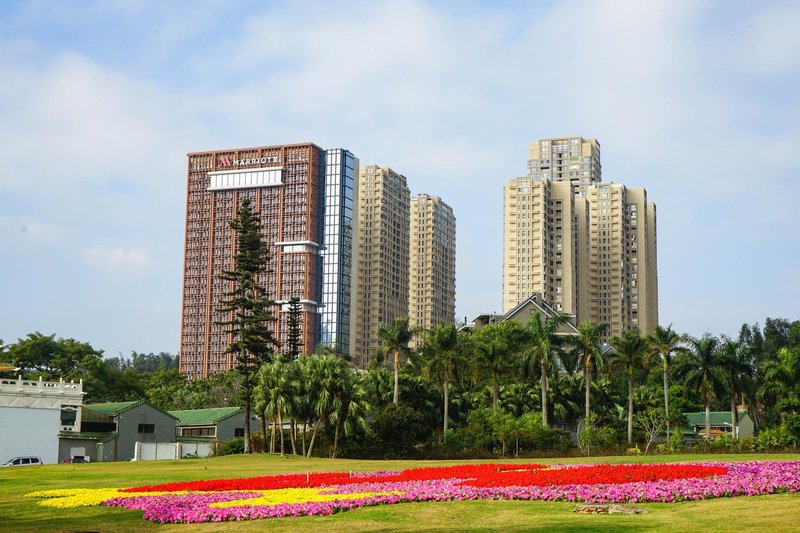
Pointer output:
x,y
17,513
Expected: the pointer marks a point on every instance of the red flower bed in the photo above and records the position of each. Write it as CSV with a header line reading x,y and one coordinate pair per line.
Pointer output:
x,y
486,475
592,475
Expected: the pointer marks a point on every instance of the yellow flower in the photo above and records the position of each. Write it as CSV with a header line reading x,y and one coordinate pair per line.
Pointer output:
x,y
68,498
279,496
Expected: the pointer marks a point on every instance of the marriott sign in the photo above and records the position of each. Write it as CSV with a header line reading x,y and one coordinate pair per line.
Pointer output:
x,y
225,161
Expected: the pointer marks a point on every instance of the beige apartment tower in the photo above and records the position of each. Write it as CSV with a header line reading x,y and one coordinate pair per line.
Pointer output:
x,y
541,244
382,258
588,247
432,272
623,288
572,159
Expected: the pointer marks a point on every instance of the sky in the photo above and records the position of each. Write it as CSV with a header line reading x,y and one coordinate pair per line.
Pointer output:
x,y
100,102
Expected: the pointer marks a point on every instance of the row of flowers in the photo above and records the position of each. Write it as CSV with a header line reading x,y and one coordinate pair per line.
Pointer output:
x,y
622,483
484,475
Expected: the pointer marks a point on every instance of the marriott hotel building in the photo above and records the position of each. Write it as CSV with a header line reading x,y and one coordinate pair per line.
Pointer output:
x,y
304,197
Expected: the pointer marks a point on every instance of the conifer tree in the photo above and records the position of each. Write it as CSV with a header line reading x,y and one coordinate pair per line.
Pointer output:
x,y
294,333
246,306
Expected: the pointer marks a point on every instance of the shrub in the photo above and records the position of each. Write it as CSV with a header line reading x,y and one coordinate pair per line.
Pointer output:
x,y
232,446
399,429
770,439
593,437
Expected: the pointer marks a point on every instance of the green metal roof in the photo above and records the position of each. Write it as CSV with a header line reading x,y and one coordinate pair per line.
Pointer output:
x,y
88,435
718,418
204,417
113,408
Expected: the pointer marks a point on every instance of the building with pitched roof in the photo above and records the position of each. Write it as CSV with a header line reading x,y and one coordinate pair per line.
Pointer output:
x,y
110,431
217,423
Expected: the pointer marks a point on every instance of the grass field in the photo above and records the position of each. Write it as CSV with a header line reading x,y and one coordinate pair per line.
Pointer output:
x,y
762,513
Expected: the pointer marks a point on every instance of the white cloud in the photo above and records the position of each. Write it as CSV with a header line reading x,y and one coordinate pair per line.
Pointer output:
x,y
119,259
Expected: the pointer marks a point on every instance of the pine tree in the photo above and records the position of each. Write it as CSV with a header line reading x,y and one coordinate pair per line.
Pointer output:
x,y
294,333
247,307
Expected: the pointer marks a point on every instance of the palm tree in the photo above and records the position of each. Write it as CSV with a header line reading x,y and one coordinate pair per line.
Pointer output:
x,y
543,347
492,347
378,384
701,371
664,343
350,405
395,339
737,366
587,344
518,398
276,387
780,385
629,357
441,358
325,374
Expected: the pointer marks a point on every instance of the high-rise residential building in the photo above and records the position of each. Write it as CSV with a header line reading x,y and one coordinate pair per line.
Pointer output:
x,y
624,282
572,159
303,196
588,247
432,272
382,259
541,245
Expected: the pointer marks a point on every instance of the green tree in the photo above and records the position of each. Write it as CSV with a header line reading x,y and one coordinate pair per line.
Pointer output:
x,y
442,358
664,343
394,339
164,386
630,357
350,406
378,385
275,393
246,306
700,370
543,347
737,368
492,348
294,333
780,385
399,429
587,344
325,375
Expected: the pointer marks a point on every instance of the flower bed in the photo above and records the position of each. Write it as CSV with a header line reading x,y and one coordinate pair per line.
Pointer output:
x,y
327,493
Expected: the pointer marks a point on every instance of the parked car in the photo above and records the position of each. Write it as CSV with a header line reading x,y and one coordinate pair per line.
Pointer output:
x,y
23,461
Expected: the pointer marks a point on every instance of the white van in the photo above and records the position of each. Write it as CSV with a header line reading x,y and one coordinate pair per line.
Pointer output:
x,y
23,461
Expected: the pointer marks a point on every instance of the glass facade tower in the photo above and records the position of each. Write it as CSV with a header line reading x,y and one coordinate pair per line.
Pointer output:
x,y
341,167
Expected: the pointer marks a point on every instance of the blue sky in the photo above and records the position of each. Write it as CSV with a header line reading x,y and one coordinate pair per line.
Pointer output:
x,y
695,101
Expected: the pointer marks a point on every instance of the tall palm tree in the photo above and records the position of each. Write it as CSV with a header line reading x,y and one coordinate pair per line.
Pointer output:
x,y
587,344
277,388
492,348
350,406
441,358
323,388
629,357
664,343
700,370
395,338
543,347
738,369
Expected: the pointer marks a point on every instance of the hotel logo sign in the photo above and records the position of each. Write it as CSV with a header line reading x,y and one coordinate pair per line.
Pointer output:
x,y
226,162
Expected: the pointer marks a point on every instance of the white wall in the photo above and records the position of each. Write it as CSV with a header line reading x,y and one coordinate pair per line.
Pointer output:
x,y
27,431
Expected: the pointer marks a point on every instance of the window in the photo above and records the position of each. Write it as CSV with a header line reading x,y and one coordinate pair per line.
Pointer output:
x,y
147,428
238,432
